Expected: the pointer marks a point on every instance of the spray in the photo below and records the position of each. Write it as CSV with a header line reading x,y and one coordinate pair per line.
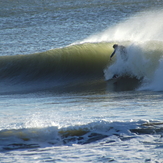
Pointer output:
x,y
141,27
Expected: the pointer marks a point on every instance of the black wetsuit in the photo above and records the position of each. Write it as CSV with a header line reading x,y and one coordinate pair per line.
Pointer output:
x,y
122,50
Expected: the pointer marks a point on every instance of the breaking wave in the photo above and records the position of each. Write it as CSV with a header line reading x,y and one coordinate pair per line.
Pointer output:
x,y
27,138
89,62
84,64
143,63
142,35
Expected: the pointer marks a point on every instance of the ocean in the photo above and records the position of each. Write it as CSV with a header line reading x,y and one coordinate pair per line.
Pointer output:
x,y
62,99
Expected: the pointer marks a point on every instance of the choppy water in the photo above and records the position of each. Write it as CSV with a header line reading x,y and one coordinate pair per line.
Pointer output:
x,y
58,101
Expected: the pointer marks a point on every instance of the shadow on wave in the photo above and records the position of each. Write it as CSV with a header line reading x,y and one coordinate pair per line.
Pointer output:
x,y
123,83
75,86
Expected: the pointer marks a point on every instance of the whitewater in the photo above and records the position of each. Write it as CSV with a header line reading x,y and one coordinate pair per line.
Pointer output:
x,y
59,101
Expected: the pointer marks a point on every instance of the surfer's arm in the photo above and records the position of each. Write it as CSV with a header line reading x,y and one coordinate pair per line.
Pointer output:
x,y
112,54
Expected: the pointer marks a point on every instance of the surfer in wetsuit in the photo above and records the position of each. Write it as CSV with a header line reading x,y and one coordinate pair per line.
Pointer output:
x,y
122,51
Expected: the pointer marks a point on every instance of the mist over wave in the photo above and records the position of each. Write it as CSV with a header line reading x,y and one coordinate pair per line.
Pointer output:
x,y
142,35
141,27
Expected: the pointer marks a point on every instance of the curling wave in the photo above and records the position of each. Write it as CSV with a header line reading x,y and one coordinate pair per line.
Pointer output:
x,y
76,63
84,65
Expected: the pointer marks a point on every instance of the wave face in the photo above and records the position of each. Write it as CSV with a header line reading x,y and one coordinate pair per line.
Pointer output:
x,y
76,63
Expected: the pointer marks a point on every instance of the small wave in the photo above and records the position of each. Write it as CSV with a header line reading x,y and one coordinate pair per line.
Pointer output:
x,y
81,134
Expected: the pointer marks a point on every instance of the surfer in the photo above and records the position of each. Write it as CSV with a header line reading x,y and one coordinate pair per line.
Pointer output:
x,y
122,51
